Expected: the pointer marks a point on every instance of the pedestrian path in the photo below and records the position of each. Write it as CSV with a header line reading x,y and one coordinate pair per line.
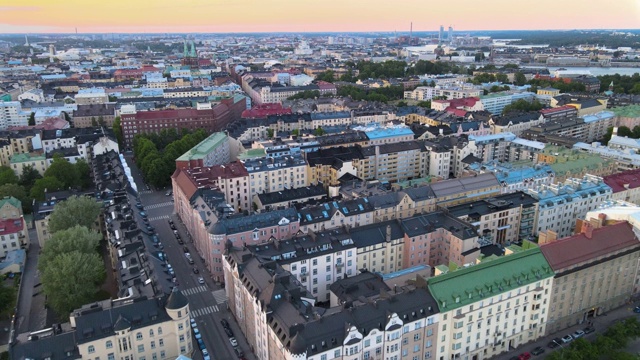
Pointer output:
x,y
205,311
220,296
194,290
145,192
155,206
161,217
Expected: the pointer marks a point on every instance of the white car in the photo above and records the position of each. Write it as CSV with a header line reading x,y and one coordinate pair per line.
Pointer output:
x,y
201,280
233,342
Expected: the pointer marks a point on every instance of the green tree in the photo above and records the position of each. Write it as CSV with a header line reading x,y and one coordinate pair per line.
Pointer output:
x,y
66,115
319,131
71,280
46,184
424,104
63,170
76,238
7,176
32,119
295,132
7,298
270,133
328,76
76,210
402,103
117,129
83,172
29,176
522,105
94,122
503,78
101,120
17,192
520,79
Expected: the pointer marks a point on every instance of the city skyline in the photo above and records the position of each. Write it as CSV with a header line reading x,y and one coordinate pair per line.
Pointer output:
x,y
162,16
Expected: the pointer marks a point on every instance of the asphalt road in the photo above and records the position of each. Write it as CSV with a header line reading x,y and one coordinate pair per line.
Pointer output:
x,y
207,302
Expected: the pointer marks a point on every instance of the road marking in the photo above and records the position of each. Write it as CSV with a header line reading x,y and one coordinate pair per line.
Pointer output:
x,y
161,217
159,205
194,290
205,311
220,296
145,192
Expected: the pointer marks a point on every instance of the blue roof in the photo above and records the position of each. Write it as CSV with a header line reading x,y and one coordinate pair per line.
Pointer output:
x,y
14,257
603,115
330,115
382,133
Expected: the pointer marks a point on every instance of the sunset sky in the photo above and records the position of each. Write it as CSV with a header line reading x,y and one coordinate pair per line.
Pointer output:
x,y
20,16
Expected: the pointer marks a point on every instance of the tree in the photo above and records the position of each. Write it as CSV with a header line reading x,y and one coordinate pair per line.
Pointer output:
x,y
319,131
402,103
503,78
520,79
328,76
117,129
32,119
66,115
46,184
29,176
77,238
7,176
7,298
76,210
71,280
63,170
101,120
270,133
522,105
94,122
17,192
83,172
295,132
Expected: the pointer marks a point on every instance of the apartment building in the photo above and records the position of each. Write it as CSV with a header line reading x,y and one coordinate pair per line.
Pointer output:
x,y
155,328
316,260
515,123
624,186
94,114
596,270
515,176
88,96
270,174
560,203
214,150
285,324
392,162
457,191
288,197
326,166
585,105
11,114
380,246
423,93
438,238
495,102
574,163
13,228
503,219
36,160
494,306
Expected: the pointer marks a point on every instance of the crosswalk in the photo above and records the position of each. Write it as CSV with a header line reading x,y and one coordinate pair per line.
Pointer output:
x,y
155,206
162,217
145,192
205,311
194,290
220,296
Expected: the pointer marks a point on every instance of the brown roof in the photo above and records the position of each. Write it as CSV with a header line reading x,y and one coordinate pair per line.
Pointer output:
x,y
185,183
578,248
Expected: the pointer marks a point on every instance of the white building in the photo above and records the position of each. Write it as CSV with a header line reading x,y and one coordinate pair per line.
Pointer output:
x,y
11,114
36,95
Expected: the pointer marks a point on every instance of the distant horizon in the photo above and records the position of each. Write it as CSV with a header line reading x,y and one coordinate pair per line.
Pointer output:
x,y
289,16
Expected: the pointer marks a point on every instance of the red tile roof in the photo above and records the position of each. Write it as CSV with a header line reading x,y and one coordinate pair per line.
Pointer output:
x,y
624,180
263,110
557,109
11,226
185,183
579,249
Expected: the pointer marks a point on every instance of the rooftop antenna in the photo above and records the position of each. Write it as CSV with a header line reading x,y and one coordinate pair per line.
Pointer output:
x,y
76,31
411,31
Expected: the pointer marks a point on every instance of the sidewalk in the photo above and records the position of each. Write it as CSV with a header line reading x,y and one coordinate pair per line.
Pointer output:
x,y
601,324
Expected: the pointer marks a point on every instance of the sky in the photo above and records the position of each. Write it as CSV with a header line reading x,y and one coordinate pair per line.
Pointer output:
x,y
220,16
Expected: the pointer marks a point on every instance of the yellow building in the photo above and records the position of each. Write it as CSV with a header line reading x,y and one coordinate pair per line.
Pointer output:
x,y
548,91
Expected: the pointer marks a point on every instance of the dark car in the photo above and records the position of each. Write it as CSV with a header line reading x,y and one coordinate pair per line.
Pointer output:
x,y
554,343
589,329
139,206
196,271
537,351
173,227
185,249
180,242
636,309
225,324
229,332
239,353
524,356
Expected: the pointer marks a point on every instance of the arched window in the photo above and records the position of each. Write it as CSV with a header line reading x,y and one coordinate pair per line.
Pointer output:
x,y
109,344
92,349
139,336
159,330
151,332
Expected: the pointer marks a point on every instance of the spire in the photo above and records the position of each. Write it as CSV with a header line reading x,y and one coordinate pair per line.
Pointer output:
x,y
185,48
193,50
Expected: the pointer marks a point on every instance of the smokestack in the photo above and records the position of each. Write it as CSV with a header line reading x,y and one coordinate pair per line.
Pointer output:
x,y
411,32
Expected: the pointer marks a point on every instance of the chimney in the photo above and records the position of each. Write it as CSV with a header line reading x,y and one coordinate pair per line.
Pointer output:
x,y
388,233
602,219
547,236
587,229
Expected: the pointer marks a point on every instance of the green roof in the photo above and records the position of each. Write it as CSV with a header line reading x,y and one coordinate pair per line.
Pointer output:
x,y
251,153
11,200
489,278
204,148
631,111
19,158
570,160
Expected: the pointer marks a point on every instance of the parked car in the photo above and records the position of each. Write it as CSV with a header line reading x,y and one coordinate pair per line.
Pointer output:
x,y
239,353
554,343
228,332
205,354
225,324
193,322
143,214
168,193
233,341
185,249
537,351
567,339
589,329
139,206
201,344
201,280
578,334
636,309
196,271
524,356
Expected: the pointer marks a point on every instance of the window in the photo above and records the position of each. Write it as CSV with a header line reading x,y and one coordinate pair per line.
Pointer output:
x,y
180,327
151,332
163,354
109,344
159,330
91,349
161,342
111,356
181,338
141,348
139,336
323,357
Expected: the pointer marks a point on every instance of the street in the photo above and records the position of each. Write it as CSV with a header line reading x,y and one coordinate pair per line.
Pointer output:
x,y
207,302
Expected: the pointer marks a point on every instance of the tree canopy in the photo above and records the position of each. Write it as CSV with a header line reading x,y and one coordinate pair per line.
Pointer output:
x,y
328,76
18,192
522,105
76,210
7,176
47,183
117,130
623,84
76,238
63,170
29,176
71,279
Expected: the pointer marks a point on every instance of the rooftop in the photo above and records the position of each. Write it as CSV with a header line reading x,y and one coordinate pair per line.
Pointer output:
x,y
630,111
204,148
494,204
624,180
489,278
